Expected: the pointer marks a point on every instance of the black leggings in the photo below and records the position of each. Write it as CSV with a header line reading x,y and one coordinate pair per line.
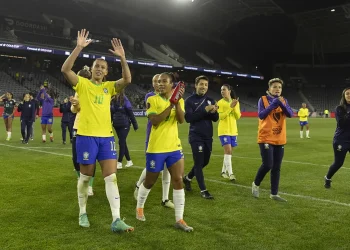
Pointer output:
x,y
122,133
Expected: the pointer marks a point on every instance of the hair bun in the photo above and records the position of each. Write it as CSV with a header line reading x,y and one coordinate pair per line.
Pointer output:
x,y
86,68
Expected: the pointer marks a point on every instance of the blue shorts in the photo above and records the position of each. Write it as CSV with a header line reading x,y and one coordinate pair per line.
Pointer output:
x,y
303,123
155,161
46,120
5,116
227,140
90,149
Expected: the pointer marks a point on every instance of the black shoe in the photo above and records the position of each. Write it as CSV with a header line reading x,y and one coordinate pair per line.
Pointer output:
x,y
187,184
327,182
24,142
71,140
206,195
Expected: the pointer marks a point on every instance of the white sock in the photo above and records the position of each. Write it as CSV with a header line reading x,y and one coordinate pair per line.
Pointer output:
x,y
307,133
142,178
9,134
179,203
113,196
44,137
142,196
301,133
228,163
51,134
83,186
223,167
165,184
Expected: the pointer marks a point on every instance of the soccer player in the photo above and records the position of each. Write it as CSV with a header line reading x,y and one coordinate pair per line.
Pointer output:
x,y
164,146
27,109
341,140
229,113
95,140
8,115
200,112
303,114
122,117
65,120
273,110
36,104
165,173
75,109
47,113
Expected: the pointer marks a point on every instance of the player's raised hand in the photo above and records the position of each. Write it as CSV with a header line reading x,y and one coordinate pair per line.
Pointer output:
x,y
234,102
118,49
82,39
74,101
181,91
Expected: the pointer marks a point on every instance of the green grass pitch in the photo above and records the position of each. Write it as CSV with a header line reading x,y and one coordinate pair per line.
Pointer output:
x,y
39,208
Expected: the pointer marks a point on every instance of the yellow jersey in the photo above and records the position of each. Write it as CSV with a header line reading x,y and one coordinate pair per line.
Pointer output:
x,y
303,113
77,116
164,138
95,113
228,118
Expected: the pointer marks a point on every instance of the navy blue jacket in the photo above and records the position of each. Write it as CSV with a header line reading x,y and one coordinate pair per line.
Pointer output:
x,y
65,110
122,115
36,104
201,126
27,110
342,132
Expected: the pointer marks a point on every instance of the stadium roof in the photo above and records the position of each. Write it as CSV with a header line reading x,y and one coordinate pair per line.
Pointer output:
x,y
210,18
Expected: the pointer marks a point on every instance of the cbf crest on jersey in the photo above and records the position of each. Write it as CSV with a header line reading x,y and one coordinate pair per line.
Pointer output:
x,y
105,90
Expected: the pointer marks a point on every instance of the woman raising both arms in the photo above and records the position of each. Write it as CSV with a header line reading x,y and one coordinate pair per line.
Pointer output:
x,y
95,139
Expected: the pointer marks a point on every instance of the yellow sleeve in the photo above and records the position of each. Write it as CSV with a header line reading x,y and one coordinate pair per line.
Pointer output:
x,y
151,106
222,114
110,85
182,104
300,113
81,85
237,111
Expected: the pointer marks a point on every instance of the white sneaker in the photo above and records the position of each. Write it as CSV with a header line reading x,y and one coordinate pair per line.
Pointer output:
x,y
129,164
232,177
90,191
119,165
255,190
224,175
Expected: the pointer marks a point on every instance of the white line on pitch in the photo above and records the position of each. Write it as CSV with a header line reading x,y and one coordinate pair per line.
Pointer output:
x,y
214,155
306,197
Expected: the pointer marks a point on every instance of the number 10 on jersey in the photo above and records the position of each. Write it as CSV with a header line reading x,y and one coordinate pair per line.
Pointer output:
x,y
98,99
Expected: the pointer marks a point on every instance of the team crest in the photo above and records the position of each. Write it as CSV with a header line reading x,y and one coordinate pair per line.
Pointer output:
x,y
225,139
105,90
339,147
50,120
209,102
153,164
200,149
267,146
85,156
